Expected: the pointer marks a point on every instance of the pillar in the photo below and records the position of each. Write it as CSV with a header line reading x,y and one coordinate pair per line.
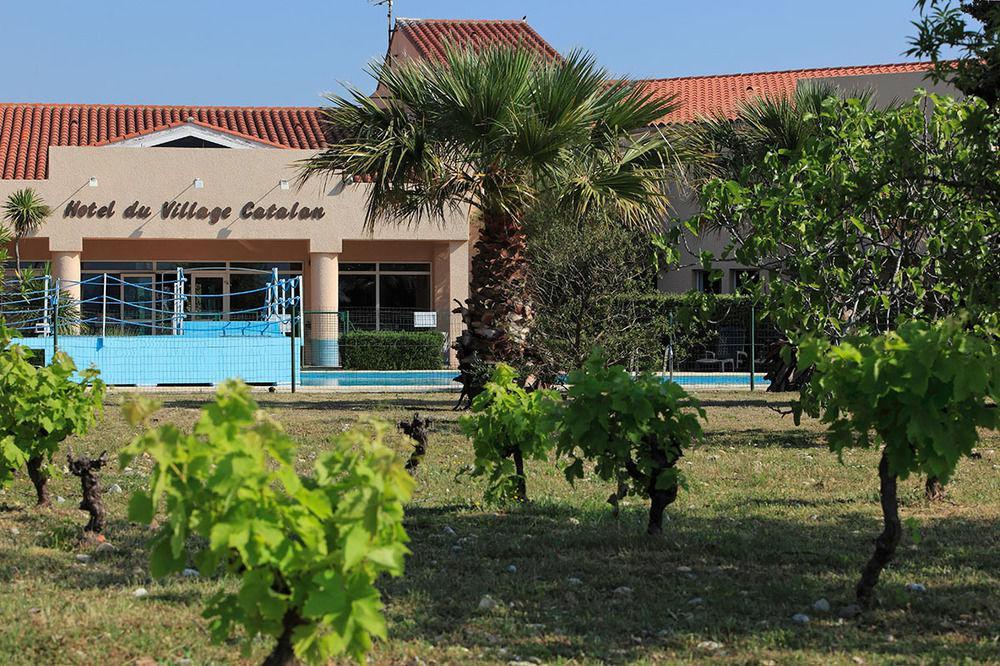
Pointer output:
x,y
66,268
451,283
324,301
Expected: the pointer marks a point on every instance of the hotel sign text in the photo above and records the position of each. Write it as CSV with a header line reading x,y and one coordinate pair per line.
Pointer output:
x,y
190,210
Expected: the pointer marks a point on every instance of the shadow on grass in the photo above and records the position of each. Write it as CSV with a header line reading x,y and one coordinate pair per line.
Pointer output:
x,y
739,581
734,580
759,438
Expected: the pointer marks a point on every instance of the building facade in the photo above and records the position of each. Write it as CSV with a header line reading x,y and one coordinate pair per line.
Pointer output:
x,y
140,191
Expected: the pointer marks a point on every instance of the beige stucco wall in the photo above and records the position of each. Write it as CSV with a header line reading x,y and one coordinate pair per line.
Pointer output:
x,y
231,178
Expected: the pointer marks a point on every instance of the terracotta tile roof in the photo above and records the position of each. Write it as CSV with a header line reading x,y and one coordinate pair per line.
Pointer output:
x,y
430,36
27,130
701,96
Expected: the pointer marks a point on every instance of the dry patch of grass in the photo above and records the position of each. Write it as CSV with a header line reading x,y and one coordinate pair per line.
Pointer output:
x,y
771,523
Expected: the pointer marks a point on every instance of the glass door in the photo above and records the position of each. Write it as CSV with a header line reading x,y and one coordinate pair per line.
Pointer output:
x,y
139,302
209,295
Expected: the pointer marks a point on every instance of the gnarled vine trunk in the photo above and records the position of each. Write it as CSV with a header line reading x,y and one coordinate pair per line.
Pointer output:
x,y
418,430
40,479
885,544
934,489
781,375
283,653
497,315
659,498
87,470
521,490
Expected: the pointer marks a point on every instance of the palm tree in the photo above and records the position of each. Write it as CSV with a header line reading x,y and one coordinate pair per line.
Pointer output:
x,y
765,124
24,211
494,132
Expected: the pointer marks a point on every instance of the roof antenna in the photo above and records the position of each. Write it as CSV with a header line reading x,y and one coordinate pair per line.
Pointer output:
x,y
388,17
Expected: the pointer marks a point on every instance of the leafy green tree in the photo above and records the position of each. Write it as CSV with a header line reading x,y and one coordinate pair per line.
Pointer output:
x,y
506,427
493,132
633,430
24,211
585,283
769,126
39,408
971,27
919,393
307,550
880,217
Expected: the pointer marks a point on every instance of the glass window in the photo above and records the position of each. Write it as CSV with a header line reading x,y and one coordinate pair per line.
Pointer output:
x,y
357,268
138,297
186,265
239,302
404,268
283,267
357,291
103,266
91,294
708,282
742,277
412,292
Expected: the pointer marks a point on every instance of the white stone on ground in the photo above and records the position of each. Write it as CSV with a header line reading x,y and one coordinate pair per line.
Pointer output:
x,y
140,592
487,603
800,618
623,591
190,573
115,488
915,587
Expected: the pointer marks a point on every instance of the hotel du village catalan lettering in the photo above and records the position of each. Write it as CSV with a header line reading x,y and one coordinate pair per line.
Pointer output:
x,y
190,210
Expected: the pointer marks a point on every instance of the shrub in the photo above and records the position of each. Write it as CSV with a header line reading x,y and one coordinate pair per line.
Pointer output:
x,y
307,549
919,393
506,427
391,350
39,408
633,429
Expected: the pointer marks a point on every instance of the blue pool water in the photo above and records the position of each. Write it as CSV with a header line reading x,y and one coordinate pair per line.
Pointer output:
x,y
444,379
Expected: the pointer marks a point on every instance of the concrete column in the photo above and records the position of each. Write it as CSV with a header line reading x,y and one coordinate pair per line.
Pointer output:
x,y
66,267
450,271
324,296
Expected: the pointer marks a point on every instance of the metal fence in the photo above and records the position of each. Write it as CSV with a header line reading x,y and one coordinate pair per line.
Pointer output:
x,y
164,333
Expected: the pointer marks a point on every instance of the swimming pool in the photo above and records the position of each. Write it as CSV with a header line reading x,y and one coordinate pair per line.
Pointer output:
x,y
444,379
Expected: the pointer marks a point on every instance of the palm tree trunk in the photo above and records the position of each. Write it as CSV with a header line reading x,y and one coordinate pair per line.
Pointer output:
x,y
497,316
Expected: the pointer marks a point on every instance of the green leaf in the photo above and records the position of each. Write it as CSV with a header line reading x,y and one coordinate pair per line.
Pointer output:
x,y
140,507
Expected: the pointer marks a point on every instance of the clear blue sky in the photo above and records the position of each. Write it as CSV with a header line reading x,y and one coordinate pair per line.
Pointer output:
x,y
286,52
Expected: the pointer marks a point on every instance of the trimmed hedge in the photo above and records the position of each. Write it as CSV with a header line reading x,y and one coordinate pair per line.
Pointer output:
x,y
391,350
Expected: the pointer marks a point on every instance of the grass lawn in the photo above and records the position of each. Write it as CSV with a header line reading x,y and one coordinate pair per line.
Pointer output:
x,y
771,523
